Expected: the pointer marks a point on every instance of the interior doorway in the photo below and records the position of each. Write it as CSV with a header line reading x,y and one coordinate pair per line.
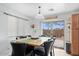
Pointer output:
x,y
54,28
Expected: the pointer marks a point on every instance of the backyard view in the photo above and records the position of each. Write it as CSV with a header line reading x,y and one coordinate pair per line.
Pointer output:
x,y
55,28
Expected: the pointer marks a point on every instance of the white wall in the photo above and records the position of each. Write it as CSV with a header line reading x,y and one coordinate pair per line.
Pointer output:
x,y
3,31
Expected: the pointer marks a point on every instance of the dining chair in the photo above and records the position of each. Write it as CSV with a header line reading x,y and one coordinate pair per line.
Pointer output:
x,y
44,50
20,37
48,47
29,36
40,51
29,49
42,36
18,49
52,48
21,49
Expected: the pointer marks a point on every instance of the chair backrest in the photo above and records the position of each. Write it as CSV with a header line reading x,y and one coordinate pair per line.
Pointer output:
x,y
18,49
52,40
42,36
21,37
47,46
29,36
52,45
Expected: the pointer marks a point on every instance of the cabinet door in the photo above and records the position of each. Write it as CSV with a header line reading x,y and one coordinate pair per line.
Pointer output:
x,y
75,35
75,22
75,43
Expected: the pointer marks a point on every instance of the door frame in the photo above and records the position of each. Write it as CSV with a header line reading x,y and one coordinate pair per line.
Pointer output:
x,y
64,41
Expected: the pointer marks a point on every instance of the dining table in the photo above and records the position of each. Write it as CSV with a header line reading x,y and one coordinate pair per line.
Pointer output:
x,y
32,41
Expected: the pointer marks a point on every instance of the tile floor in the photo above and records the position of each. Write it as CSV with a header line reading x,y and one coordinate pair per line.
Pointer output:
x,y
59,42
60,52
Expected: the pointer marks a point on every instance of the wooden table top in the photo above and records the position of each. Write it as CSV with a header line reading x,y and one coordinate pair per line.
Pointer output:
x,y
32,42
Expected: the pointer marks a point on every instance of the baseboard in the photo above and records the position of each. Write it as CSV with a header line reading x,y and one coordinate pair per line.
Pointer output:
x,y
59,47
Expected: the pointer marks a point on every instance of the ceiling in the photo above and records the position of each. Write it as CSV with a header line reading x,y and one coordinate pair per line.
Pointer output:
x,y
31,9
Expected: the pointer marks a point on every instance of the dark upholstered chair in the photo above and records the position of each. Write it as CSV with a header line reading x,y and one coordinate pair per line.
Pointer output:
x,y
45,50
42,36
20,37
18,49
29,49
52,48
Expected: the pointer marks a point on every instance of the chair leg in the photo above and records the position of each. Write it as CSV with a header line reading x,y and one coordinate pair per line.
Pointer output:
x,y
53,51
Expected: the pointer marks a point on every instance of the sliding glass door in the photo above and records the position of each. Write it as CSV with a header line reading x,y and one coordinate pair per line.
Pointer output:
x,y
54,28
46,28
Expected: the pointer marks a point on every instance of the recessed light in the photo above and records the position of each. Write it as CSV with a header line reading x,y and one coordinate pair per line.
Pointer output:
x,y
51,9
